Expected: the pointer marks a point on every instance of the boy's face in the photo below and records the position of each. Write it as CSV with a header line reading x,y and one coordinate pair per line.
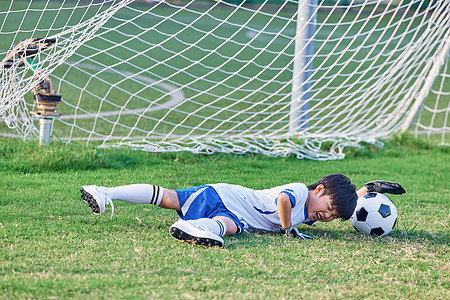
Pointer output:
x,y
319,206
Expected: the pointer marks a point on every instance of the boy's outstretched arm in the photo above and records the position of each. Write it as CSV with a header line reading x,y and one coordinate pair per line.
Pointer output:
x,y
284,207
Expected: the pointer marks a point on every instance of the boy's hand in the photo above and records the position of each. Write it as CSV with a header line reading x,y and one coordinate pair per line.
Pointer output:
x,y
380,186
293,232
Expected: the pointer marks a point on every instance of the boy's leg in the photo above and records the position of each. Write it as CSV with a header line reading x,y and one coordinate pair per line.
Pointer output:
x,y
145,194
205,219
170,200
203,231
231,227
137,193
97,197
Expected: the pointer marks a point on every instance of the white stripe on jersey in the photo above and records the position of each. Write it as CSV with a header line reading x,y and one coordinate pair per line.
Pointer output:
x,y
257,208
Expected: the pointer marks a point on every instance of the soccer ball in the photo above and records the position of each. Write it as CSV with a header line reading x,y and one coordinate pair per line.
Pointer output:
x,y
375,214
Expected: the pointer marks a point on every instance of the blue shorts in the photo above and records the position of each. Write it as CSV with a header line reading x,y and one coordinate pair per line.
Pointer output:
x,y
203,202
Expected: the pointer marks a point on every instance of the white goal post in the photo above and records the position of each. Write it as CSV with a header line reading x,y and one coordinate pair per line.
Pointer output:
x,y
303,77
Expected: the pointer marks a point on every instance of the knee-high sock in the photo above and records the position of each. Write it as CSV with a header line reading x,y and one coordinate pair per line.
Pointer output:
x,y
216,226
137,193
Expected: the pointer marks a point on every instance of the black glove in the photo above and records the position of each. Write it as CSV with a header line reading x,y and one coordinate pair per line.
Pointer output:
x,y
384,187
293,232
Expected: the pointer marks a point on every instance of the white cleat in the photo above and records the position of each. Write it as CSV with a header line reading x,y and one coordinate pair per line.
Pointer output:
x,y
197,234
97,198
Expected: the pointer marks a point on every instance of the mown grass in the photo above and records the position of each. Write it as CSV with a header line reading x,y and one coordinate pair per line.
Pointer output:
x,y
52,246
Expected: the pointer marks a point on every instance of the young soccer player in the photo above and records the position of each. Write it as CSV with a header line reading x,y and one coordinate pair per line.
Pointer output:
x,y
209,212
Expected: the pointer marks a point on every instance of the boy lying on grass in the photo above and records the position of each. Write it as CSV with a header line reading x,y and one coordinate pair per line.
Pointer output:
x,y
209,212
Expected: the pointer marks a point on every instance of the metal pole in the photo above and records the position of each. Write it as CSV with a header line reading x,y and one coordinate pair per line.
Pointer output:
x,y
303,64
45,130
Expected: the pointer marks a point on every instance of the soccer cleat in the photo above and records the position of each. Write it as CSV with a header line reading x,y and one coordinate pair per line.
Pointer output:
x,y
97,198
195,233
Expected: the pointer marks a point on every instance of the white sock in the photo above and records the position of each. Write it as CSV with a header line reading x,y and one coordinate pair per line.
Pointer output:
x,y
137,193
216,226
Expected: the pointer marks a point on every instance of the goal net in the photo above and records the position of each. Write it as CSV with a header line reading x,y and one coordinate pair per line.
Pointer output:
x,y
304,77
434,118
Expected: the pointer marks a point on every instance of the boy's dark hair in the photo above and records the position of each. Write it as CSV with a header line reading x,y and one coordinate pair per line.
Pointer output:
x,y
342,193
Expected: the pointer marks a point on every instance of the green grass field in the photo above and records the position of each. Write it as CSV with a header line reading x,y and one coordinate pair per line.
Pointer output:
x,y
52,245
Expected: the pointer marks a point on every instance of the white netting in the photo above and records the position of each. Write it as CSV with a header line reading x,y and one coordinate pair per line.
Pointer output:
x,y
274,77
434,118
21,26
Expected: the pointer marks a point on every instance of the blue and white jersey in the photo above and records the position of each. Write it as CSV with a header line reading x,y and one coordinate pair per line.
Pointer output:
x,y
257,209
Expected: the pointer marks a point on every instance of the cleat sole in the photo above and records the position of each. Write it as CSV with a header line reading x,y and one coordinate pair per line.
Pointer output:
x,y
185,237
90,201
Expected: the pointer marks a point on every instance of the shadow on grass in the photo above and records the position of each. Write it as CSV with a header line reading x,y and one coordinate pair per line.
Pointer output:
x,y
159,224
250,240
396,235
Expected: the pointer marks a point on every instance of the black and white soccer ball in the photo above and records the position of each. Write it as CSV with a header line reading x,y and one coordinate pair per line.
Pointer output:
x,y
375,214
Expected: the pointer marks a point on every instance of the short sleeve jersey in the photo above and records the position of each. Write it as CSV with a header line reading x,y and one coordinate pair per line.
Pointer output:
x,y
257,209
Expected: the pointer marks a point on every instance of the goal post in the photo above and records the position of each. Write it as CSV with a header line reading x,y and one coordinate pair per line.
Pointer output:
x,y
297,77
303,64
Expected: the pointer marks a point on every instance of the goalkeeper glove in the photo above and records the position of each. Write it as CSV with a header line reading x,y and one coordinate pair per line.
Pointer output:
x,y
384,187
293,232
